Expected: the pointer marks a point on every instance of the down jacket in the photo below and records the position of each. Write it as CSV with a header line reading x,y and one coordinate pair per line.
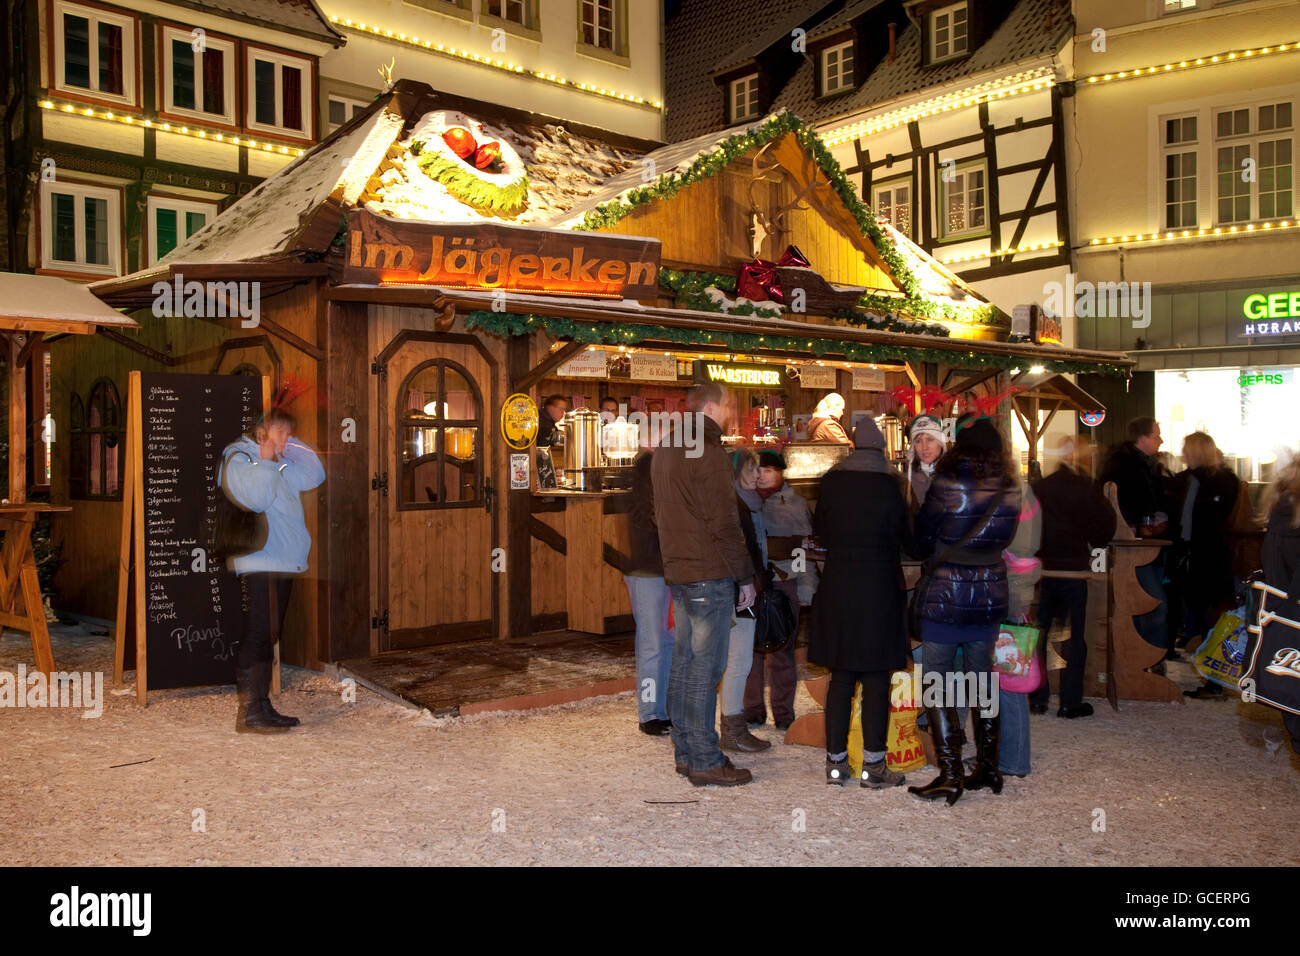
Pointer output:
x,y
962,592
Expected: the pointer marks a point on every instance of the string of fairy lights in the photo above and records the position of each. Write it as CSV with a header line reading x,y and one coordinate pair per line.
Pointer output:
x,y
1215,59
434,46
176,129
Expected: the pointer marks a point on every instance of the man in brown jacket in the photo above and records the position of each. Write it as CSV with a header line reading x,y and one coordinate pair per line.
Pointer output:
x,y
705,558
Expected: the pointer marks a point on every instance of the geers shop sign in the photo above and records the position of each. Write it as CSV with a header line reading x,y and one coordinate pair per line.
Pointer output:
x,y
493,256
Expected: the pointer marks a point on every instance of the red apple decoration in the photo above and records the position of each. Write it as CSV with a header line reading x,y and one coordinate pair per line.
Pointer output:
x,y
461,142
488,156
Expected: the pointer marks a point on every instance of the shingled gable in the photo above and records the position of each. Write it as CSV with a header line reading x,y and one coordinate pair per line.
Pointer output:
x,y
301,17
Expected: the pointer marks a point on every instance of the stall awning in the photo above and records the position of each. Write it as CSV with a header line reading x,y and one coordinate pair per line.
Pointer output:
x,y
31,303
1049,387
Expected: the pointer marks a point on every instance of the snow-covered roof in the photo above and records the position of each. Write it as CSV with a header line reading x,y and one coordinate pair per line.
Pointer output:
x,y
34,303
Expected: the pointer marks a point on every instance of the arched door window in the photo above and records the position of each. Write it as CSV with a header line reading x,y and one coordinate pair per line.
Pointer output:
x,y
99,444
439,438
78,450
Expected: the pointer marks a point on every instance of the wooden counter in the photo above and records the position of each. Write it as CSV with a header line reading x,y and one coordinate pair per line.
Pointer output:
x,y
585,552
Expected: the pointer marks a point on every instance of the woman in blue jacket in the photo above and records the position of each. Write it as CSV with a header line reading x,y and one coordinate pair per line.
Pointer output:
x,y
265,472
971,513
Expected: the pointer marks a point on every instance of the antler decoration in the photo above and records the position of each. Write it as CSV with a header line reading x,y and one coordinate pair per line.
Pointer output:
x,y
385,72
761,225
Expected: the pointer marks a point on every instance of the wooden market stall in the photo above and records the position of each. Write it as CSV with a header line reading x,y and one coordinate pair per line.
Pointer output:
x,y
414,297
31,308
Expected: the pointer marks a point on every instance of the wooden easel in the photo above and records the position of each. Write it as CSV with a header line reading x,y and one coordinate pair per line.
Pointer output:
x,y
131,600
18,578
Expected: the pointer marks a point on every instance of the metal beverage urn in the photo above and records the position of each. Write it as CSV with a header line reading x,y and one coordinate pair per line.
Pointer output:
x,y
582,453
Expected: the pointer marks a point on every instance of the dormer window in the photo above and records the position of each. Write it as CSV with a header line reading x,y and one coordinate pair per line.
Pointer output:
x,y
837,68
744,98
949,32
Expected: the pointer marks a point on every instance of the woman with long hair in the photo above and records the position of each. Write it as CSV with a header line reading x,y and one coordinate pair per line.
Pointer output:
x,y
926,445
265,472
970,515
1282,549
740,649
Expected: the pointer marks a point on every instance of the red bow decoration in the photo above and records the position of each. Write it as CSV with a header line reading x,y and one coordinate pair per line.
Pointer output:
x,y
290,389
988,404
932,397
757,280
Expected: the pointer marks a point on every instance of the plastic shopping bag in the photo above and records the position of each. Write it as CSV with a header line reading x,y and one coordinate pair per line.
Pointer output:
x,y
1222,655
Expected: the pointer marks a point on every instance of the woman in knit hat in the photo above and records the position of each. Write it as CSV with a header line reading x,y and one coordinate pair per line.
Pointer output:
x,y
925,447
970,515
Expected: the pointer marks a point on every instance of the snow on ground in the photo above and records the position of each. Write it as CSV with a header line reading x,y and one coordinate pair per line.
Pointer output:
x,y
372,782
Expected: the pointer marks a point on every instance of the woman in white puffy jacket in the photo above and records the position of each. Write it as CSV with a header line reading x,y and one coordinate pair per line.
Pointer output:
x,y
266,471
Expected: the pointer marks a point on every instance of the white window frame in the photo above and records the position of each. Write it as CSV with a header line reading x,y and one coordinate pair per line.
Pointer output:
x,y
354,106
1168,149
180,207
1185,6
843,79
129,53
746,87
596,28
891,186
227,49
963,169
81,191
1252,141
504,7
281,60
951,51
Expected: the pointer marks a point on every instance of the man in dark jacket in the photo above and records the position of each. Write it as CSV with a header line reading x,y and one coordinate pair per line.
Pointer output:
x,y
1143,501
1076,519
705,558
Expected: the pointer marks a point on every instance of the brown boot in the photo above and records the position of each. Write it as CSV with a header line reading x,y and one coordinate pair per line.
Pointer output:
x,y
728,775
736,736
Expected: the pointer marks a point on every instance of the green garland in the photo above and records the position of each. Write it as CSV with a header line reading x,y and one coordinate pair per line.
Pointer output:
x,y
688,287
507,324
733,147
926,308
496,200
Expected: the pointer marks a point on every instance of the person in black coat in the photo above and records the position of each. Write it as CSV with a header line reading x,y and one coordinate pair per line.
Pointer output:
x,y
1076,519
970,515
1282,552
1202,570
857,615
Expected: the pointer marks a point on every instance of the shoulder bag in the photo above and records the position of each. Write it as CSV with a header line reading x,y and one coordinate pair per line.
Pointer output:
x,y
236,531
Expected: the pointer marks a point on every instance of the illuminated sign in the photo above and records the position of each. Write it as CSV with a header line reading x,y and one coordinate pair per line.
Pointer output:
x,y
1262,309
494,256
745,376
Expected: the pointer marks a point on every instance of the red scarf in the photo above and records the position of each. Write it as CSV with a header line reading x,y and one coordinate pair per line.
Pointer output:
x,y
764,494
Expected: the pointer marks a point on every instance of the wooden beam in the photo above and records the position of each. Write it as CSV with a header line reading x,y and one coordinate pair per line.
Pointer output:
x,y
301,344
519,548
543,532
17,426
974,380
134,346
544,367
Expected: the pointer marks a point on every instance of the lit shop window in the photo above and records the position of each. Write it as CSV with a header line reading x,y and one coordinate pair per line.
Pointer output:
x,y
893,202
837,68
172,221
744,98
1254,162
94,52
1180,172
279,92
963,201
949,33
199,75
1178,6
440,424
81,228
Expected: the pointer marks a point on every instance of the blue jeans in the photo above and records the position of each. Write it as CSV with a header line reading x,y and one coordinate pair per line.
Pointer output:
x,y
1153,626
940,659
702,612
1013,749
651,600
740,658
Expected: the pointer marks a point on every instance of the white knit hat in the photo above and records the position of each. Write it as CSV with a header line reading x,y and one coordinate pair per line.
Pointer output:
x,y
927,425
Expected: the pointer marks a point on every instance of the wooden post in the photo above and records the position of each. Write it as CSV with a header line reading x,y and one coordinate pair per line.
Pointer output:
x,y
17,425
518,502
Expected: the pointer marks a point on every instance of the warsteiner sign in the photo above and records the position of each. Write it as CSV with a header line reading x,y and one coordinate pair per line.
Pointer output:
x,y
494,256
734,373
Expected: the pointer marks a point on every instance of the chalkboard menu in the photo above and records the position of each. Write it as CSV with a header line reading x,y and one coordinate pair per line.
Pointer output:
x,y
192,606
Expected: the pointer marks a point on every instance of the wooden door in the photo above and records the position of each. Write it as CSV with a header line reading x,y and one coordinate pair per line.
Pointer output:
x,y
438,501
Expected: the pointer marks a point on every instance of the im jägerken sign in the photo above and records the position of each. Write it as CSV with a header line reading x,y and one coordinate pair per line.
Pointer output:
x,y
494,256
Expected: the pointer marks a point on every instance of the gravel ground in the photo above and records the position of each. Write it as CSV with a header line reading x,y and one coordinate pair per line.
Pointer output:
x,y
371,782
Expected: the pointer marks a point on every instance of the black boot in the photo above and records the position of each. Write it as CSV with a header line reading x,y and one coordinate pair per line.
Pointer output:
x,y
263,672
986,755
947,735
251,719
